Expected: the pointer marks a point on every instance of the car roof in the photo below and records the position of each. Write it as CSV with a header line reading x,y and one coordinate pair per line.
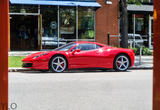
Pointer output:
x,y
81,42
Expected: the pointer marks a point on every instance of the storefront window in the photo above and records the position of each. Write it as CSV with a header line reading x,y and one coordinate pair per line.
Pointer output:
x,y
58,26
86,23
23,32
141,24
130,23
67,23
23,9
49,27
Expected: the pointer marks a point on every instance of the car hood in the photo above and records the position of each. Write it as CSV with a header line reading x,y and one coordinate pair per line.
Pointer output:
x,y
34,55
50,54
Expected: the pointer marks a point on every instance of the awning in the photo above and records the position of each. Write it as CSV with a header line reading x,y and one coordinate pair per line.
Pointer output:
x,y
139,8
58,3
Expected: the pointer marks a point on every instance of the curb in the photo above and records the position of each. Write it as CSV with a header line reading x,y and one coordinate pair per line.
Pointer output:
x,y
18,69
24,69
140,68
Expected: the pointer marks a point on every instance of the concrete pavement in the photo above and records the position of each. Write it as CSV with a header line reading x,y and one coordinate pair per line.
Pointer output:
x,y
145,62
131,90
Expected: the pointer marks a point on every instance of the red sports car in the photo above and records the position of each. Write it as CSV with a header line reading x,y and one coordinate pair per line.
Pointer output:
x,y
81,55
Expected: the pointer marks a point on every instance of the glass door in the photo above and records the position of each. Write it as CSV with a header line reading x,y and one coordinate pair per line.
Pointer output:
x,y
67,23
23,32
49,27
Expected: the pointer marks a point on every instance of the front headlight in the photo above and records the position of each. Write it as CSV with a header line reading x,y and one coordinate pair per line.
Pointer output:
x,y
40,55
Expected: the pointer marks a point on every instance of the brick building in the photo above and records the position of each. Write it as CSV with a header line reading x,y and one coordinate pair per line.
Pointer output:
x,y
47,24
107,21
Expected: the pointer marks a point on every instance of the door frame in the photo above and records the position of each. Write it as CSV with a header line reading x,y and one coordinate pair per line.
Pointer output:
x,y
150,32
39,26
40,32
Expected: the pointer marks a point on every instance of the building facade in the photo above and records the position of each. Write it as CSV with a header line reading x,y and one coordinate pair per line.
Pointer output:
x,y
48,24
140,19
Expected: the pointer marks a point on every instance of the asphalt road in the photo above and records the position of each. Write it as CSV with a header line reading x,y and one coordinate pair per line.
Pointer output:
x,y
90,90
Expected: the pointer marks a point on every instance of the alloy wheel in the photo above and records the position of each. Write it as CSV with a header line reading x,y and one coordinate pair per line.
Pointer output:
x,y
122,63
58,64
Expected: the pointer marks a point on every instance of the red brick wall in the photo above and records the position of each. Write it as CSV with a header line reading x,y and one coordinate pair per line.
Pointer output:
x,y
107,21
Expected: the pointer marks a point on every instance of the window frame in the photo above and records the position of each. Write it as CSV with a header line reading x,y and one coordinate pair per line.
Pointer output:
x,y
74,48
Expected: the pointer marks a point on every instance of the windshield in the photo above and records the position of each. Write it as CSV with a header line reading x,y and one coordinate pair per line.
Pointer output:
x,y
65,47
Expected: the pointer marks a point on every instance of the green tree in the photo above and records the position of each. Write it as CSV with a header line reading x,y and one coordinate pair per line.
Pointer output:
x,y
124,20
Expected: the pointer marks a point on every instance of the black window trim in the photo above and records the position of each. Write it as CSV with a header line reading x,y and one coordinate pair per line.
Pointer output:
x,y
87,50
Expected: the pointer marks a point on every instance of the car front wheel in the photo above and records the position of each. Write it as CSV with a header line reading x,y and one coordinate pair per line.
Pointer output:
x,y
58,64
121,63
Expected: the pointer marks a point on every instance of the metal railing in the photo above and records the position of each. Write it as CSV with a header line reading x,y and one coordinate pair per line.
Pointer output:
x,y
111,35
131,44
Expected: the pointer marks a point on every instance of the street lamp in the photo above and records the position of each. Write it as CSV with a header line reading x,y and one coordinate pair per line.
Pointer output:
x,y
108,2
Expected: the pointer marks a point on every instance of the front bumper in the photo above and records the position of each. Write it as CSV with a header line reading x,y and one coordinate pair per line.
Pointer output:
x,y
36,65
27,65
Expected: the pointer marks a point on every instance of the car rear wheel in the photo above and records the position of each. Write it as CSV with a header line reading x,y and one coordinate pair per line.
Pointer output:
x,y
121,63
58,64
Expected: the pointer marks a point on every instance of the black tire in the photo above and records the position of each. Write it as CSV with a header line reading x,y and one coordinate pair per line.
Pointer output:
x,y
58,64
43,71
121,63
104,69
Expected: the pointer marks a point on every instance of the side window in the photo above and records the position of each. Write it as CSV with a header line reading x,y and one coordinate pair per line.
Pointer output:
x,y
77,47
98,46
86,47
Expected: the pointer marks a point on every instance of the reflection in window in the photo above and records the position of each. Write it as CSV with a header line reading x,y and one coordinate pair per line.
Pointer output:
x,y
57,30
23,9
67,23
66,47
88,46
49,26
145,1
141,24
86,23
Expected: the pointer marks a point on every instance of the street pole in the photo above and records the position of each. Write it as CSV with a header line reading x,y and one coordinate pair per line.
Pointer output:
x,y
156,71
134,29
4,34
108,35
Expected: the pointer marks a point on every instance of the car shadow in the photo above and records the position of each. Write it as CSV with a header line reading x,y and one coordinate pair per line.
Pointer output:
x,y
74,71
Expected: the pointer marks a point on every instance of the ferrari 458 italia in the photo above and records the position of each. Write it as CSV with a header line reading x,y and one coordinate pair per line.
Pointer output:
x,y
81,54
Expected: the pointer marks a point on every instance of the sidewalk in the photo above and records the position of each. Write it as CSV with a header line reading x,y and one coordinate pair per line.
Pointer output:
x,y
21,53
146,61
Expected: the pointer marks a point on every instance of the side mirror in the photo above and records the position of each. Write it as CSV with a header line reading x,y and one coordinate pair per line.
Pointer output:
x,y
77,50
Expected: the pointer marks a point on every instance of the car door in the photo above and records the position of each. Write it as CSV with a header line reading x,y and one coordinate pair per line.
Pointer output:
x,y
105,57
86,58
